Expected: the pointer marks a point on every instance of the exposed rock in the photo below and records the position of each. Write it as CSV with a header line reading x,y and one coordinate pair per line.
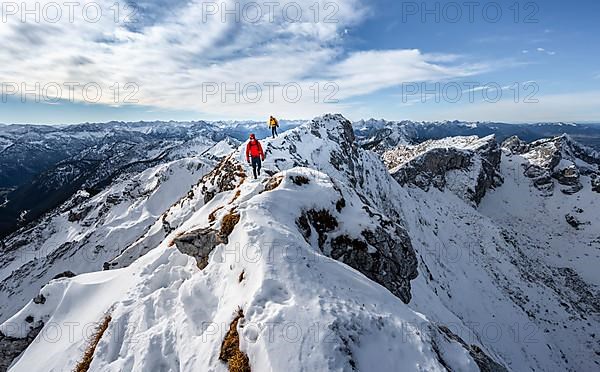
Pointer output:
x,y
199,244
468,166
515,145
39,299
79,213
300,180
65,274
484,361
561,159
228,224
385,258
430,168
583,296
321,220
273,183
226,176
340,204
596,184
12,347
574,221
345,158
572,189
384,255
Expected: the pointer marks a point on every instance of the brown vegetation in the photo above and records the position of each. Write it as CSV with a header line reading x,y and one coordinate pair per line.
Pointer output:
x,y
237,195
212,217
88,355
236,360
273,183
229,221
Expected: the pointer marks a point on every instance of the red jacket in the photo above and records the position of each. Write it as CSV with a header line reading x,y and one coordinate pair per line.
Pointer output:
x,y
254,149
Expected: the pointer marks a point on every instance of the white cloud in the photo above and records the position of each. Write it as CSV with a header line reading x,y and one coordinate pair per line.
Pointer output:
x,y
548,52
172,55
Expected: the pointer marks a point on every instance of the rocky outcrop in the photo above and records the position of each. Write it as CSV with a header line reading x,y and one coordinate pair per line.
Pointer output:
x,y
226,176
559,159
384,255
483,361
430,168
515,145
344,158
596,183
12,347
574,221
468,166
199,244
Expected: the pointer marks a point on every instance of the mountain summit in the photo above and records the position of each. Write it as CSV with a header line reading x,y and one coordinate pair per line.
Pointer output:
x,y
335,258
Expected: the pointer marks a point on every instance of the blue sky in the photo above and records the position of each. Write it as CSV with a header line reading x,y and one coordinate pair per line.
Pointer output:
x,y
424,60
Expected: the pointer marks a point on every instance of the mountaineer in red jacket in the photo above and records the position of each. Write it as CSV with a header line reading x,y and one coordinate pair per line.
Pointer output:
x,y
255,153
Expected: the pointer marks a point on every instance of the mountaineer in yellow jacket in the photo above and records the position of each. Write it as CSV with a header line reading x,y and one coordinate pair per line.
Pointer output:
x,y
273,124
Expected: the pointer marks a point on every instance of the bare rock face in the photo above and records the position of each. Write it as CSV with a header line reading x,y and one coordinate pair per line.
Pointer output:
x,y
574,221
483,361
515,145
392,262
385,255
344,158
430,168
559,159
226,176
596,183
468,166
12,347
199,244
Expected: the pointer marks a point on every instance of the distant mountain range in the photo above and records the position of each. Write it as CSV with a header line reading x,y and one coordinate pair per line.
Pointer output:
x,y
376,246
42,166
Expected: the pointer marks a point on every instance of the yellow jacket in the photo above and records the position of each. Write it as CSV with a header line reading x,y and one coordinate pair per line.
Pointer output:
x,y
273,123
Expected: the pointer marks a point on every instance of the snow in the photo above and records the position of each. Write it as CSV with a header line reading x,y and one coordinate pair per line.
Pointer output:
x,y
169,315
115,218
491,274
539,221
401,155
5,143
222,148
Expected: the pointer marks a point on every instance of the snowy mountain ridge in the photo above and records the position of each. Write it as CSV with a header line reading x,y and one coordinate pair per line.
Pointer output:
x,y
559,159
326,262
468,166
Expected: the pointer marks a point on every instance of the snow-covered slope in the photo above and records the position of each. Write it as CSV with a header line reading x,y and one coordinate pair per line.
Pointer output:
x,y
89,230
560,229
557,161
468,166
166,314
381,135
293,250
327,263
504,270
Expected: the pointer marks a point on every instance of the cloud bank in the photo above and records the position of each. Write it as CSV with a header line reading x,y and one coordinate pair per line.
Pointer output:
x,y
225,58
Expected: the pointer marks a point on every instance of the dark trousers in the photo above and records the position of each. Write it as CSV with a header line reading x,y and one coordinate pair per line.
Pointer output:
x,y
274,131
256,164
